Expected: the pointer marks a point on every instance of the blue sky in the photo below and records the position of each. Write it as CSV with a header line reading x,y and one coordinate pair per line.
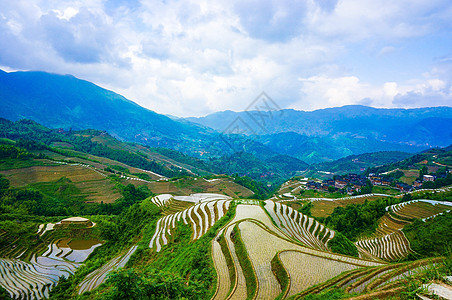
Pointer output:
x,y
191,58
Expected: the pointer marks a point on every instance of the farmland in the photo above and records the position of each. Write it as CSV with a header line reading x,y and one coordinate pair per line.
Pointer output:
x,y
389,241
211,237
32,272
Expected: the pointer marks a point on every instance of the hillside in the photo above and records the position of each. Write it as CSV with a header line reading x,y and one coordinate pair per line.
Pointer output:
x,y
312,137
333,133
433,159
198,237
421,126
59,101
259,163
359,163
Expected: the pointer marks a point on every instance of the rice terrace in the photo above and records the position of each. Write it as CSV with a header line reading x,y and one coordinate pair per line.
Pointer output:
x,y
125,221
269,150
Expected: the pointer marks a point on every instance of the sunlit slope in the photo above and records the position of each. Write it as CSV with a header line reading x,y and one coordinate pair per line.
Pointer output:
x,y
389,242
244,248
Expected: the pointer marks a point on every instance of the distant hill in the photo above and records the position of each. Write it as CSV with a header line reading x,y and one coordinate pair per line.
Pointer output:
x,y
328,134
258,162
433,159
63,101
421,126
359,163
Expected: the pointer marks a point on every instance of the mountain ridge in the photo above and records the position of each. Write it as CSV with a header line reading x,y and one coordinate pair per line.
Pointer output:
x,y
64,101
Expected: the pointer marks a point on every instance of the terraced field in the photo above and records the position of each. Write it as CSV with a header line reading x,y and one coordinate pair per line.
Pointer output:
x,y
389,247
187,186
164,199
378,280
298,226
97,277
389,242
71,250
201,217
263,241
33,280
389,224
419,209
91,182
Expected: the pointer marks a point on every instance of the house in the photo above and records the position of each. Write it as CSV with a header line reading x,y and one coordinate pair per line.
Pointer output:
x,y
340,184
403,187
386,182
417,183
428,178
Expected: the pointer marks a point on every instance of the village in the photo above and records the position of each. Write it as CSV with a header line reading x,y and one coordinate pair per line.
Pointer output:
x,y
356,184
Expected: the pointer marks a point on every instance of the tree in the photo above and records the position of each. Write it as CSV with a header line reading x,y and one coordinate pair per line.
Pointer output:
x,y
4,184
422,172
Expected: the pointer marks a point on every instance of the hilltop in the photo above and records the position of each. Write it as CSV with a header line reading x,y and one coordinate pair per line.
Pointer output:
x,y
64,101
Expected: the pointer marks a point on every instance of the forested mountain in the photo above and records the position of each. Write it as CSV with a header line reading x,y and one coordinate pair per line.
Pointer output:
x,y
359,163
58,101
419,126
328,134
258,163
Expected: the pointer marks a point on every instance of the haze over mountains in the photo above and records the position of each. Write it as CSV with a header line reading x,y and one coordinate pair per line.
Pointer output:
x,y
59,101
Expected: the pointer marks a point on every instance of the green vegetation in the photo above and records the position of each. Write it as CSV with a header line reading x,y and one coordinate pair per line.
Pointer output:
x,y
342,245
229,261
149,284
245,263
62,198
34,136
119,232
260,190
438,183
281,275
306,208
356,220
184,262
432,237
330,294
4,294
268,167
9,151
354,163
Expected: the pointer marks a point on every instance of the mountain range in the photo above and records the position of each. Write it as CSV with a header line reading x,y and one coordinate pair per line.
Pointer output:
x,y
63,101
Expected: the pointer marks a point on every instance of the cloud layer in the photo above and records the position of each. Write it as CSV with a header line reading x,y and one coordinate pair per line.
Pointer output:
x,y
191,58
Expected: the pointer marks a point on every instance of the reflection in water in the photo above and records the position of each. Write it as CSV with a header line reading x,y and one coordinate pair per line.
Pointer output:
x,y
83,244
81,249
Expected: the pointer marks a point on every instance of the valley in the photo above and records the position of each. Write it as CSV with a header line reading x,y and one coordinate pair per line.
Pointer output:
x,y
209,235
150,207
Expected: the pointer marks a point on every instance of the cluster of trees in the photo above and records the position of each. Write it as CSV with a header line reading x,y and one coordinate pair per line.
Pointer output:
x,y
150,284
432,237
260,191
342,245
62,198
438,183
10,151
34,136
358,219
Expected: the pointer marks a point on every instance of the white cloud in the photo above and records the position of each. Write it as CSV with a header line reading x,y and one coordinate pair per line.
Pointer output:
x,y
195,57
320,92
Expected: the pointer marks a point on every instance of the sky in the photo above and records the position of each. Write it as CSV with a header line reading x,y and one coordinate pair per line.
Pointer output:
x,y
192,58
